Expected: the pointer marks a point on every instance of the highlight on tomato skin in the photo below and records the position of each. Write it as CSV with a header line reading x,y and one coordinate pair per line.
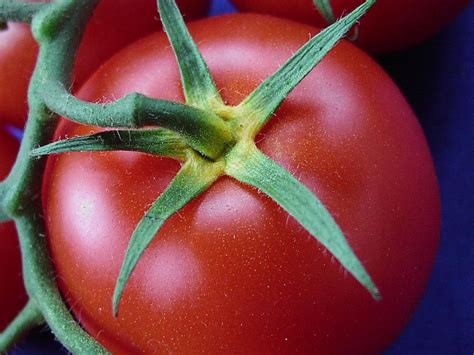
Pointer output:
x,y
232,271
391,25
111,28
13,296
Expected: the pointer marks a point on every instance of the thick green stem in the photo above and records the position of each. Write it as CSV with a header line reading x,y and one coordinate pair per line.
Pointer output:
x,y
58,28
16,11
41,286
3,212
203,130
23,201
22,196
27,319
23,184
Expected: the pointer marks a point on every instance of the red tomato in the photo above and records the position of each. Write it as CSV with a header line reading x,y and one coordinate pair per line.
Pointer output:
x,y
13,296
115,24
232,272
389,26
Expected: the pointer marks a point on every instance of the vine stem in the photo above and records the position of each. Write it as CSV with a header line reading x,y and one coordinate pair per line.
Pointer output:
x,y
22,189
19,11
41,286
58,27
4,217
203,130
29,318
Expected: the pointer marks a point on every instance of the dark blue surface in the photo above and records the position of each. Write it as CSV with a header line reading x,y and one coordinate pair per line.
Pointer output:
x,y
437,78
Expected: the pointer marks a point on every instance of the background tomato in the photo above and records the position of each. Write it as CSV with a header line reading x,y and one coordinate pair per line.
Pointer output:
x,y
390,25
115,24
232,272
13,296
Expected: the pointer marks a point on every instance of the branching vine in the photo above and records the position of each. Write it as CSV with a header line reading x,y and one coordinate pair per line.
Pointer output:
x,y
208,144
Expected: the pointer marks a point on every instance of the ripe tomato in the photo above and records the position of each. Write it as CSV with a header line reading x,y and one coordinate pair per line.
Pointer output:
x,y
232,272
389,26
13,293
111,28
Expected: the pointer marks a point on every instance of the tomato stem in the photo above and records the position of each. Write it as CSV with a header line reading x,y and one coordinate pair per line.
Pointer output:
x,y
212,139
19,11
40,283
4,216
29,318
203,130
22,189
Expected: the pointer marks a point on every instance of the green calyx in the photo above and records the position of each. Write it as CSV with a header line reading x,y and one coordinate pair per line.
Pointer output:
x,y
211,138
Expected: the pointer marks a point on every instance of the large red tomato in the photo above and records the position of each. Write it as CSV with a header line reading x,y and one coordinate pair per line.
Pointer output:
x,y
115,24
232,272
13,296
390,25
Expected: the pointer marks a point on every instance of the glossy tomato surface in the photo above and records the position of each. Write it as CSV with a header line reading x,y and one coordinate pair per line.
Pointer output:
x,y
115,24
389,26
13,296
232,272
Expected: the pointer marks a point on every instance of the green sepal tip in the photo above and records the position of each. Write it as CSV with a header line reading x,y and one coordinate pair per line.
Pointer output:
x,y
248,165
194,177
198,84
260,105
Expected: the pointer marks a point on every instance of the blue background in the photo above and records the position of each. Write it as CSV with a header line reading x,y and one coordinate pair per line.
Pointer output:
x,y
437,78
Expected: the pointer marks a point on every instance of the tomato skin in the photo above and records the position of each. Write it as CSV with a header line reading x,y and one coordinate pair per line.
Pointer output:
x,y
389,26
111,28
232,273
18,51
13,292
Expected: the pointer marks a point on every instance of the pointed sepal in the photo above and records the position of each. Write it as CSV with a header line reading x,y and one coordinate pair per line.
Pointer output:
x,y
250,166
260,105
198,85
161,142
195,176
